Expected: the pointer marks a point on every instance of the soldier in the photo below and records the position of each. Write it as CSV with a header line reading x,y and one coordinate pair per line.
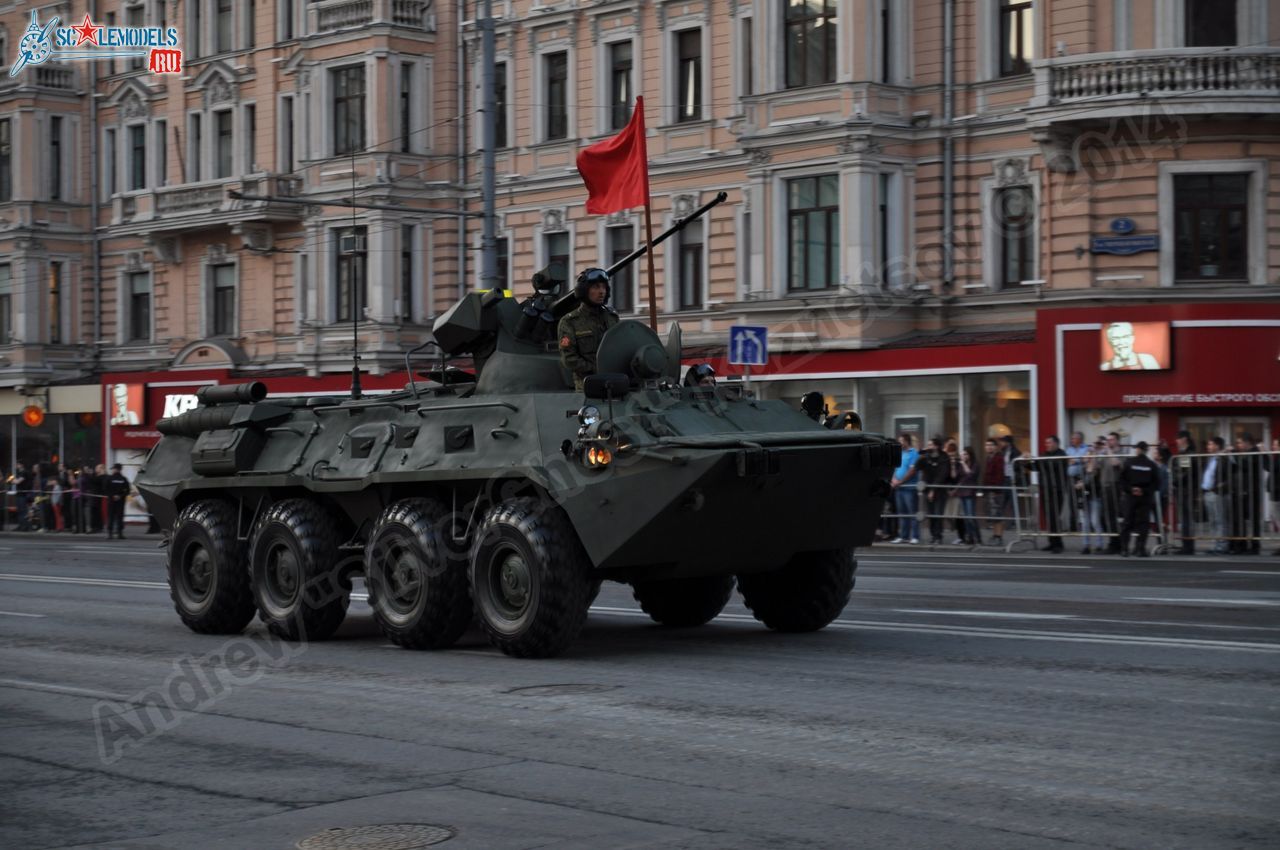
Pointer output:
x,y
700,375
1139,479
580,332
117,487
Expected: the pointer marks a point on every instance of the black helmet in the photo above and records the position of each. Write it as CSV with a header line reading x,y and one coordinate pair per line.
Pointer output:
x,y
585,281
698,373
812,404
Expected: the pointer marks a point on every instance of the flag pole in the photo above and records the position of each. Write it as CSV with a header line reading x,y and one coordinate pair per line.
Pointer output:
x,y
653,289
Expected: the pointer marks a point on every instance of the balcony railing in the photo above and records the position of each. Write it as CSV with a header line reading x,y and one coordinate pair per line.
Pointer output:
x,y
1210,72
185,199
338,15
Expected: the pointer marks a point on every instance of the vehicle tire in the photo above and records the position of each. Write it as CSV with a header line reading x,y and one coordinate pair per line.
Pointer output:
x,y
208,577
805,595
683,602
418,593
531,581
298,587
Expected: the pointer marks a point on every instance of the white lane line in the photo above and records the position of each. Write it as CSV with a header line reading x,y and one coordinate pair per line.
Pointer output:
x,y
894,562
19,614
1250,572
62,689
995,614
1195,601
1006,634
97,582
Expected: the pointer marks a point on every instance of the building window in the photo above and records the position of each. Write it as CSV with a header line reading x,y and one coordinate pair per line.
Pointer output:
x,y
1017,37
111,22
407,250
55,303
619,84
556,67
139,289
351,272
689,75
55,158
222,26
222,296
556,246
348,110
810,42
748,58
162,153
6,160
6,304
502,247
622,241
195,140
1015,216
249,39
500,105
286,19
134,16
250,143
886,41
1211,23
813,224
137,157
286,135
222,141
1211,226
406,106
109,163
689,286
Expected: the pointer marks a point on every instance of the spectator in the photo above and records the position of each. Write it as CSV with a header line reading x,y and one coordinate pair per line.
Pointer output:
x,y
1273,485
1055,490
117,490
1246,492
77,502
64,504
53,504
1186,491
935,471
1091,495
992,482
1077,450
951,450
966,493
96,490
1109,489
19,484
1213,486
1140,480
906,496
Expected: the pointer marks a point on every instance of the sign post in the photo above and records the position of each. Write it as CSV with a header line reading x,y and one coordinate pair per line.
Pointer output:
x,y
748,346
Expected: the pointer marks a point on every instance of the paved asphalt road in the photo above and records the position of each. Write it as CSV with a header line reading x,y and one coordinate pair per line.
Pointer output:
x,y
962,700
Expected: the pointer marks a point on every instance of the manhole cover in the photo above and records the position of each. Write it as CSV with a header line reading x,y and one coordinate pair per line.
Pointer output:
x,y
560,690
386,836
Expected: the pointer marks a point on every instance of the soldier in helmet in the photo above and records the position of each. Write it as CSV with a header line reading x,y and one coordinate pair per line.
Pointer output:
x,y
814,406
700,375
580,332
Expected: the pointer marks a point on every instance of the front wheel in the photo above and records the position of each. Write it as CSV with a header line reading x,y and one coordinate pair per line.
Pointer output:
x,y
531,580
208,579
683,602
805,595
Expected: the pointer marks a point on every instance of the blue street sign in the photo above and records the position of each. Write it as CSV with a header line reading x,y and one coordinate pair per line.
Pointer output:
x,y
1124,244
748,345
1123,226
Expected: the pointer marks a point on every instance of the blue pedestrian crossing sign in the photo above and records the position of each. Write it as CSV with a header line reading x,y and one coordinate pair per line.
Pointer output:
x,y
748,345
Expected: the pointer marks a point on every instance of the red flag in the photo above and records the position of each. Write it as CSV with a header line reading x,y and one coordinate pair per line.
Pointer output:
x,y
616,170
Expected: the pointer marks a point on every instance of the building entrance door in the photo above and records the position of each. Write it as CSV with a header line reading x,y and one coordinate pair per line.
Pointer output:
x,y
1229,428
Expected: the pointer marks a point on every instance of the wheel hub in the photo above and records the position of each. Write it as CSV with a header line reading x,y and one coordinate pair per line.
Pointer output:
x,y
282,575
405,578
200,571
514,582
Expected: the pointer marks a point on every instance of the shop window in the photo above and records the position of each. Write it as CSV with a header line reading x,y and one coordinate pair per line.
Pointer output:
x,y
139,306
622,241
619,84
809,39
1211,227
350,273
689,267
222,281
556,84
1210,23
1017,37
997,404
556,250
813,224
348,109
689,75
1015,216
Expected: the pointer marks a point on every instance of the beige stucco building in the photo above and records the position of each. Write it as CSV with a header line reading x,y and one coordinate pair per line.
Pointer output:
x,y
898,173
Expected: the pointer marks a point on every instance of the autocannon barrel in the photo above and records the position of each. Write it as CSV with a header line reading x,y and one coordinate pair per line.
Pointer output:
x,y
194,422
232,393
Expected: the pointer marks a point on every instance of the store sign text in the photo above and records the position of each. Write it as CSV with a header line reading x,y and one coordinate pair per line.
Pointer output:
x,y
177,404
1202,398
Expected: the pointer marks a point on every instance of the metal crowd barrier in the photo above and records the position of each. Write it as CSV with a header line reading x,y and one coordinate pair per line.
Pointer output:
x,y
38,508
1221,503
970,515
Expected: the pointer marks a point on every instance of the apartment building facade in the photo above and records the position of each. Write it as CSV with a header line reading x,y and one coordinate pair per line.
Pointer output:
x,y
920,194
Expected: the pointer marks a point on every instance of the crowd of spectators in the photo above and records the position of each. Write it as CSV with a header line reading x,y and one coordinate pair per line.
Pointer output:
x,y
54,497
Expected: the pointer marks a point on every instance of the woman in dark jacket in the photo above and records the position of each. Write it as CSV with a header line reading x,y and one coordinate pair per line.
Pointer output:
x,y
993,477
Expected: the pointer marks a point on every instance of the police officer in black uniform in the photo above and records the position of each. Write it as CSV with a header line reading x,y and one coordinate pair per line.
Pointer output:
x,y
117,487
1138,482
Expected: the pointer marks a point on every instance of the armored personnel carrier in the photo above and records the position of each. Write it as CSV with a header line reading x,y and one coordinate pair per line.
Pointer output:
x,y
505,497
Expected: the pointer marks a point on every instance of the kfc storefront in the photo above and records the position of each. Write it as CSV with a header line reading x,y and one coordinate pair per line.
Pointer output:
x,y
1149,371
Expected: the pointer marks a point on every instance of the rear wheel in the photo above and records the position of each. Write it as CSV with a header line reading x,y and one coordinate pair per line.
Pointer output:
x,y
531,580
683,602
298,587
417,592
805,595
208,578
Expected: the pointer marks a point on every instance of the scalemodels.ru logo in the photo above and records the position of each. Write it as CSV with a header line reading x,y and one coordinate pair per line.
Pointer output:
x,y
90,41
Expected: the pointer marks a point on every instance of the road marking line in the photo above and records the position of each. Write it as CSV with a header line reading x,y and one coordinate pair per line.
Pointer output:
x,y
1004,614
891,562
62,689
1250,572
99,582
1187,600
18,614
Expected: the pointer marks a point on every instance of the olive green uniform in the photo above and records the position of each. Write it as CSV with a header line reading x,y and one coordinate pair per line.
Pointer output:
x,y
580,333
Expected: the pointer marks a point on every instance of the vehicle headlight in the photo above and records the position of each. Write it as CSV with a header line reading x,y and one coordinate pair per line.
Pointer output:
x,y
595,457
588,415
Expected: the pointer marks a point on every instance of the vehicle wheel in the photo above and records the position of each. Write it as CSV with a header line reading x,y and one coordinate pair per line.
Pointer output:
x,y
293,562
805,595
417,592
208,579
683,602
531,580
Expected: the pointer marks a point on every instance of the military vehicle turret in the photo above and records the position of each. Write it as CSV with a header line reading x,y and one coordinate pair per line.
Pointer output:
x,y
505,497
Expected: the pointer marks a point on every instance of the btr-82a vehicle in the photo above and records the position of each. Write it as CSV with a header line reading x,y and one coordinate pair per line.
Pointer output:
x,y
506,498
